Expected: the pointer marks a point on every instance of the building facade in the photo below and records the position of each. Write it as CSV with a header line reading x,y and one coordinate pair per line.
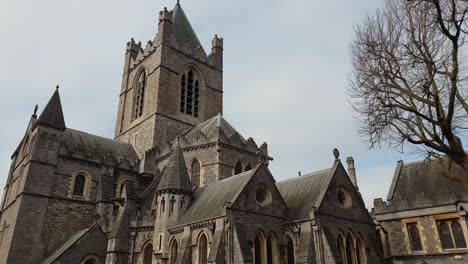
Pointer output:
x,y
177,184
424,216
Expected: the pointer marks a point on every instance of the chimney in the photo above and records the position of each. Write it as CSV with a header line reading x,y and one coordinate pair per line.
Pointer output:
x,y
352,171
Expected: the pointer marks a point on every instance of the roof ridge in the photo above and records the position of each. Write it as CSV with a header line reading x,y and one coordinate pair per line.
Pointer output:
x,y
305,176
103,137
245,173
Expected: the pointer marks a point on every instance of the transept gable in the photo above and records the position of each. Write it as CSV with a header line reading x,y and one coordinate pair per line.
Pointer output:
x,y
261,195
341,198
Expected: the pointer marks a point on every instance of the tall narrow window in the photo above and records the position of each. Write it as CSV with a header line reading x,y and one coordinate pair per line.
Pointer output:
x,y
259,249
360,252
182,202
148,254
445,236
349,250
290,251
195,173
139,96
172,205
271,250
190,94
78,187
415,239
341,248
203,250
174,251
458,235
238,168
163,206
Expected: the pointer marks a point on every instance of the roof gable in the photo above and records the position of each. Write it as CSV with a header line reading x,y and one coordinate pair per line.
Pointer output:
x,y
209,202
303,194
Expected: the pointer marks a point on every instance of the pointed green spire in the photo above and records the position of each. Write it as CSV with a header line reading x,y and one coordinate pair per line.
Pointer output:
x,y
175,176
52,115
183,31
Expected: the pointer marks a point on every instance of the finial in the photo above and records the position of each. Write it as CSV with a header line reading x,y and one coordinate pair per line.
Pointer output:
x,y
57,87
35,109
178,2
336,153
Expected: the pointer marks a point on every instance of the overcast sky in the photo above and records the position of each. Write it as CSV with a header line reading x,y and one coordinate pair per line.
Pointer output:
x,y
285,73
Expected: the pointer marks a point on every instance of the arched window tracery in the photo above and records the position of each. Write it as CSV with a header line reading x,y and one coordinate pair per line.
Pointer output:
x,y
174,250
190,93
139,95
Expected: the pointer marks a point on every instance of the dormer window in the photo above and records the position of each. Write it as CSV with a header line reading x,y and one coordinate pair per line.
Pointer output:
x,y
139,99
190,93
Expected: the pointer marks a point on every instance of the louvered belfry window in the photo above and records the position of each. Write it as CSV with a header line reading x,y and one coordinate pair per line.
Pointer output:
x,y
139,96
190,93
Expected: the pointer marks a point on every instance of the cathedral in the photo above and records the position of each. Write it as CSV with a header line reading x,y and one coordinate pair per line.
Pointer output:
x,y
177,184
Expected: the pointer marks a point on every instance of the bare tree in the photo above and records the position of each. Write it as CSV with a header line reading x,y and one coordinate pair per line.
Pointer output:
x,y
408,83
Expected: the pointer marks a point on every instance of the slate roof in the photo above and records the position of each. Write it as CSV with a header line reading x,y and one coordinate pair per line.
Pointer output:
x,y
183,31
303,193
424,177
52,115
175,175
208,202
97,145
70,242
209,129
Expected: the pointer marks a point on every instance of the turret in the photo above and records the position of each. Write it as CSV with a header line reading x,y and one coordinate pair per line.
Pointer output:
x,y
165,27
173,195
216,57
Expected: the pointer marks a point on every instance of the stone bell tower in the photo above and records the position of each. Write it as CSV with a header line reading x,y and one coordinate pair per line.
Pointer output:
x,y
169,85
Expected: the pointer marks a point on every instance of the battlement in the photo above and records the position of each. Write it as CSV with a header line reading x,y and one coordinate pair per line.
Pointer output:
x,y
419,200
132,46
166,15
217,42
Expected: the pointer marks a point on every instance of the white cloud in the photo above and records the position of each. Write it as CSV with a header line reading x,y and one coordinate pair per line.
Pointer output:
x,y
286,65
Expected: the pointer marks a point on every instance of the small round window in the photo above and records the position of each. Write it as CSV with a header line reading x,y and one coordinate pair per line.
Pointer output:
x,y
344,198
262,195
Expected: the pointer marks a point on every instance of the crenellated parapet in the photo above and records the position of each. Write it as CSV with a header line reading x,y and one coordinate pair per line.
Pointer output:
x,y
418,201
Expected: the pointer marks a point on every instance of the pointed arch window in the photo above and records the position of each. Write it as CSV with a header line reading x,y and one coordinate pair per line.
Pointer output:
x,y
451,234
148,254
139,95
341,248
248,167
163,206
79,185
203,250
415,239
271,250
190,93
260,251
195,173
172,205
174,250
349,250
290,257
238,168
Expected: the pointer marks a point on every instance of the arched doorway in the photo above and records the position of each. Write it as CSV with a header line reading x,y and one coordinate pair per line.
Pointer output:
x,y
174,251
290,256
202,249
148,254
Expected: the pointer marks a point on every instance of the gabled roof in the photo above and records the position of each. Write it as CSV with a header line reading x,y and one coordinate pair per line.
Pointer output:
x,y
52,115
424,177
183,31
303,194
175,175
208,202
212,127
97,145
65,246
